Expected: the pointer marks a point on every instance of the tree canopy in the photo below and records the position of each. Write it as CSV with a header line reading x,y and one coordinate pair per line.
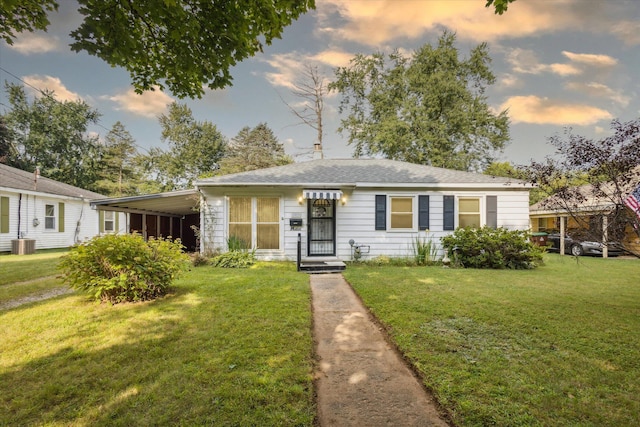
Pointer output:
x,y
429,108
195,148
52,135
593,176
500,6
183,45
251,149
118,174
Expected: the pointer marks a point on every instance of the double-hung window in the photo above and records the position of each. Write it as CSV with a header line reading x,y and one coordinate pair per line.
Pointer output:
x,y
49,217
469,212
50,213
109,221
254,222
401,215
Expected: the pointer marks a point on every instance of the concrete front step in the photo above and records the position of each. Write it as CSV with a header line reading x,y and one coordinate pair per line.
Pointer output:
x,y
322,266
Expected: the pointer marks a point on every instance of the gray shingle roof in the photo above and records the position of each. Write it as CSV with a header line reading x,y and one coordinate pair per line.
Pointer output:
x,y
22,180
353,172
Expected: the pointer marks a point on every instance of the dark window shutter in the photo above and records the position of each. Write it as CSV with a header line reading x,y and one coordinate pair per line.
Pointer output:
x,y
381,212
101,221
449,213
423,212
492,211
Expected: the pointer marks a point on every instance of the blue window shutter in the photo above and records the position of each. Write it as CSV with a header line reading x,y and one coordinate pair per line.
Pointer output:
x,y
423,212
492,211
449,213
381,212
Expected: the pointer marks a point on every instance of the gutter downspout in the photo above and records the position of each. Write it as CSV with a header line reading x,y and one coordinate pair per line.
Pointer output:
x,y
19,212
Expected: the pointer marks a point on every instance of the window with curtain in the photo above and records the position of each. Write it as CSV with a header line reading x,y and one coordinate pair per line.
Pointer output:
x,y
255,221
268,223
401,212
469,212
240,220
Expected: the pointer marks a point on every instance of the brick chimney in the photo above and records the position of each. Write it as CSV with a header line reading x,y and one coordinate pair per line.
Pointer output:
x,y
317,151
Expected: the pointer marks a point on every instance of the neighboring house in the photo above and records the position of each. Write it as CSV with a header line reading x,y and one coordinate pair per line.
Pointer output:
x,y
48,213
379,205
592,214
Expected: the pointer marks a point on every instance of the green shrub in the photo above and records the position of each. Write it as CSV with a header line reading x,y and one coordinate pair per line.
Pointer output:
x,y
492,248
235,259
123,267
235,243
425,251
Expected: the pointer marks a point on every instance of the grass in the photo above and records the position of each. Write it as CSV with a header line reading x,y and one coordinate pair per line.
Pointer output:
x,y
20,268
25,275
227,347
554,346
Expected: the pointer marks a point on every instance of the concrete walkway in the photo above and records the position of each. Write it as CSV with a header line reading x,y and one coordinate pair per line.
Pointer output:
x,y
361,380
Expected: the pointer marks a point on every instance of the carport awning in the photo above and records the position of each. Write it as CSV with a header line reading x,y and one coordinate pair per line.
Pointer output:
x,y
175,203
322,194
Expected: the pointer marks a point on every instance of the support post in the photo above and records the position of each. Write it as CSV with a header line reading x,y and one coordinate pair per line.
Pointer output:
x,y
562,235
299,254
605,236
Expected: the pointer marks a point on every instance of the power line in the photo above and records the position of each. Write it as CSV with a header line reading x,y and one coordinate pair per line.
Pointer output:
x,y
48,95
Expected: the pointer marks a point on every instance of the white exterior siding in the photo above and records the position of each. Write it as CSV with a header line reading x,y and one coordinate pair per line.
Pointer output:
x,y
355,220
80,221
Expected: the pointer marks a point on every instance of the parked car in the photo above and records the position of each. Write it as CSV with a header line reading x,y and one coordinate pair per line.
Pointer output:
x,y
576,247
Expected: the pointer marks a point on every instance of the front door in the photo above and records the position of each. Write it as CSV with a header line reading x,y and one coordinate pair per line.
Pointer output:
x,y
322,227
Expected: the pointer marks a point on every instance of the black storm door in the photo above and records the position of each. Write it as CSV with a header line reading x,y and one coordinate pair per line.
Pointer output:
x,y
322,227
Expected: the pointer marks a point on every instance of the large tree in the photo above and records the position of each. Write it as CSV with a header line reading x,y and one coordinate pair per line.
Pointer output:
x,y
53,135
195,149
5,141
183,45
588,178
429,108
118,173
251,149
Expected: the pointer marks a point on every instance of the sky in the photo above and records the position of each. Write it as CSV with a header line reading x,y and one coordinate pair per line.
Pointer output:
x,y
559,64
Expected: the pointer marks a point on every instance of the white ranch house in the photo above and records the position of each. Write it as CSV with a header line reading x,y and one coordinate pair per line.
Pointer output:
x,y
335,205
41,213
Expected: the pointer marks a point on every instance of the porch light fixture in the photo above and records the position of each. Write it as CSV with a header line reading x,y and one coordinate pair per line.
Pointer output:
x,y
343,201
300,200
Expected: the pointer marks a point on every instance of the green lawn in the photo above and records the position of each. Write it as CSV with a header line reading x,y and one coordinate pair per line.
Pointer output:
x,y
20,268
559,345
228,347
26,275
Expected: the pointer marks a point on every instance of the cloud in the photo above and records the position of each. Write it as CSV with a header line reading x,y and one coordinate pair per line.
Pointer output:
x,y
591,60
289,67
599,90
536,110
524,61
149,104
564,69
54,84
508,80
377,23
30,43
628,32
